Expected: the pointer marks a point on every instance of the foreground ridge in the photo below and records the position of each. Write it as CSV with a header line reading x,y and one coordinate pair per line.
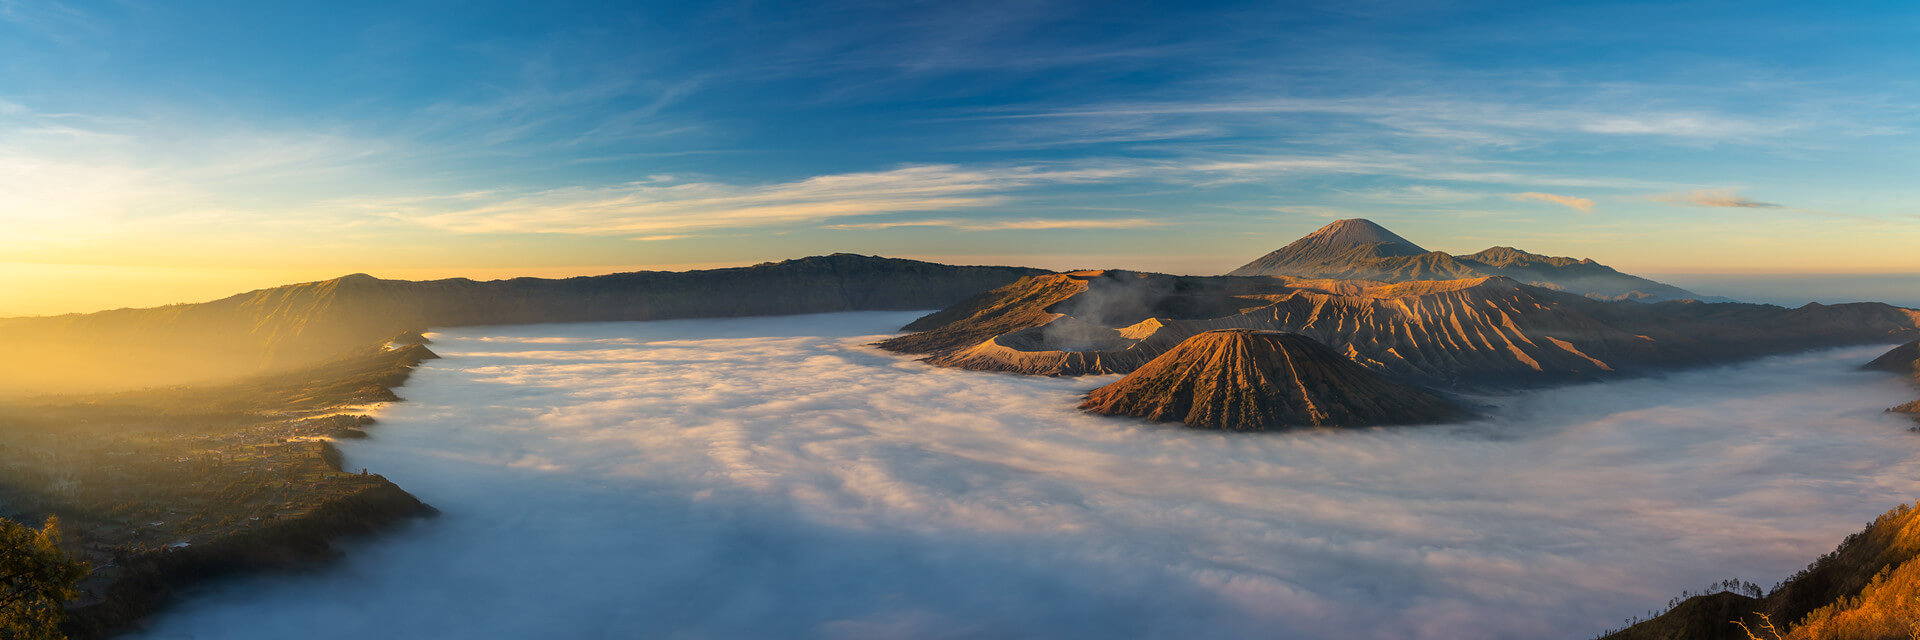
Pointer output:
x,y
1866,589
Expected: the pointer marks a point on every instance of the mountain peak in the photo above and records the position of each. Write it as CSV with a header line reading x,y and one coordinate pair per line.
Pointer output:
x,y
1344,242
1358,249
1359,231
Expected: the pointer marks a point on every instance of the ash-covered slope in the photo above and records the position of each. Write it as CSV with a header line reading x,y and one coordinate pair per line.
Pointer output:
x,y
1486,332
302,324
1358,249
1247,380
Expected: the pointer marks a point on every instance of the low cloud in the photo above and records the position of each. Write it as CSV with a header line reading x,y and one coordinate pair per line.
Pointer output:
x,y
1582,205
774,477
1713,198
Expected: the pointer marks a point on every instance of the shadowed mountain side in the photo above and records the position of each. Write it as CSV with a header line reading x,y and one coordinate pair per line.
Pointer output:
x,y
1244,380
1478,332
1867,589
1361,250
295,325
1904,360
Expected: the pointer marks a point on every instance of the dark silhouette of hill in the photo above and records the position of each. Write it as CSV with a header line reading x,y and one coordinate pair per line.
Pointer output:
x,y
1358,249
1246,380
1484,332
1904,360
303,324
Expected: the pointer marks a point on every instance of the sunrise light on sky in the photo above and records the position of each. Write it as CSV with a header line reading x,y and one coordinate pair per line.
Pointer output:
x,y
153,153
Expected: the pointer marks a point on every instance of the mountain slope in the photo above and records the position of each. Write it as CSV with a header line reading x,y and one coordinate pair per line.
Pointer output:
x,y
1358,249
1245,380
1867,589
290,326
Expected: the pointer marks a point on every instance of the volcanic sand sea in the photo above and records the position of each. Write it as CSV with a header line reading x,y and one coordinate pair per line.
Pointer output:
x,y
775,477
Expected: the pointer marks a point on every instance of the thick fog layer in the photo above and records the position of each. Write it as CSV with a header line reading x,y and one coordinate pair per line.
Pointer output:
x,y
773,477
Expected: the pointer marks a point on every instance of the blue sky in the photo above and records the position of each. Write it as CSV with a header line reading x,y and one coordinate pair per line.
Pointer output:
x,y
215,140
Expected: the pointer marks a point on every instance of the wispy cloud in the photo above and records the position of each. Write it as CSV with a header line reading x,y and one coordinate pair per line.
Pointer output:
x,y
1582,205
1005,225
666,205
118,174
68,179
1418,194
658,207
1437,117
1713,198
59,21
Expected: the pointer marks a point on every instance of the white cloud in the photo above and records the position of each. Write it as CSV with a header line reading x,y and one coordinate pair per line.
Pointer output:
x,y
1582,205
1713,198
773,477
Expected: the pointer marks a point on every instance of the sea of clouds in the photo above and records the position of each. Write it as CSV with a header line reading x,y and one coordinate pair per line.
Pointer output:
x,y
776,478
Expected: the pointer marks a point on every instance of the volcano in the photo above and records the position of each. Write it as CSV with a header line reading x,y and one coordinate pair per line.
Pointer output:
x,y
1249,380
1359,249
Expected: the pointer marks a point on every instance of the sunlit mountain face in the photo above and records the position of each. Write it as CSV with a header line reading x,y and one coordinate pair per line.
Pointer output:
x,y
1382,320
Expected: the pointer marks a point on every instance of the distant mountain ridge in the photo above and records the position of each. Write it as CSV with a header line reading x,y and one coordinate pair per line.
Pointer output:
x,y
1358,249
303,324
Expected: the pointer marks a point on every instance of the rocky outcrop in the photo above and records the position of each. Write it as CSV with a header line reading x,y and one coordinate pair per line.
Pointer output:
x,y
1477,333
1247,380
297,325
1361,250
